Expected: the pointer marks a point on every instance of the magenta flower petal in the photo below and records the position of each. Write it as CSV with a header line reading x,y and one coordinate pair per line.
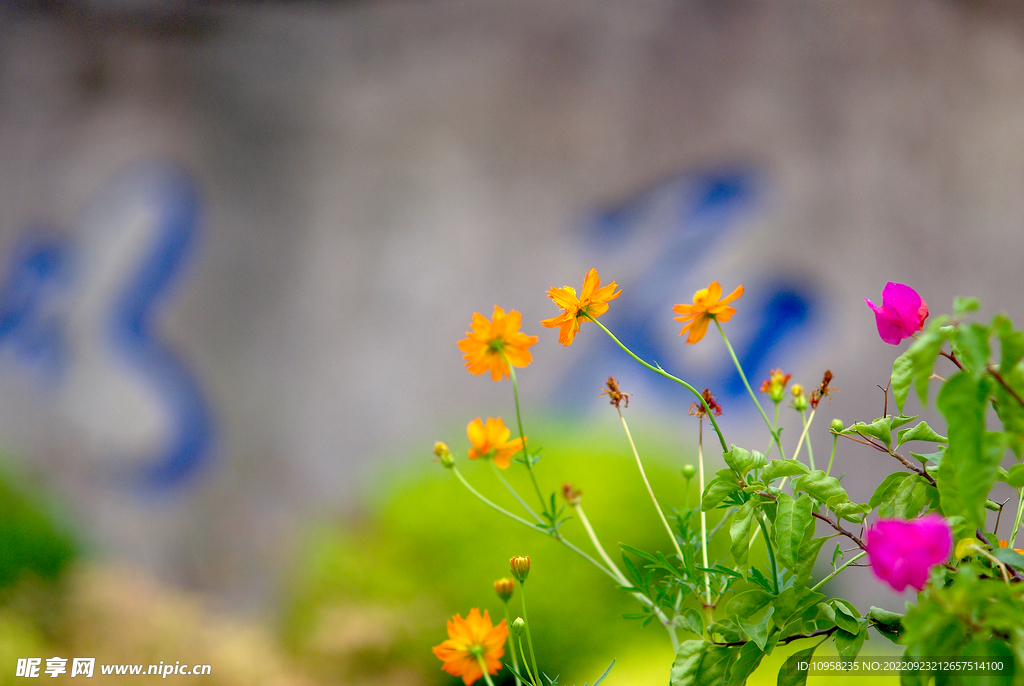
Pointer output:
x,y
902,553
901,314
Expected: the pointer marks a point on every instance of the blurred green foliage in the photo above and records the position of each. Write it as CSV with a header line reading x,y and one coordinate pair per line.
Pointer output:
x,y
30,541
428,549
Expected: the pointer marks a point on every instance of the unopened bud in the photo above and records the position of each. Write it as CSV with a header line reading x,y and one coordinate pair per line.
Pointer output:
x,y
836,425
777,393
504,587
520,567
798,390
800,402
519,626
689,471
444,455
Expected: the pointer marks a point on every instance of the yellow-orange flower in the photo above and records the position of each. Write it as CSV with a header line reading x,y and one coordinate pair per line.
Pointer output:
x,y
1006,544
593,302
708,304
491,442
496,344
470,641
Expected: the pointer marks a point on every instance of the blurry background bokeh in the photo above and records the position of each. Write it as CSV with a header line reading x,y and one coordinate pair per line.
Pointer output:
x,y
238,243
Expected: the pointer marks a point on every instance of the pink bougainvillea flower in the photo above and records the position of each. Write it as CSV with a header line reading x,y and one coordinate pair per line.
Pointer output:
x,y
901,314
902,553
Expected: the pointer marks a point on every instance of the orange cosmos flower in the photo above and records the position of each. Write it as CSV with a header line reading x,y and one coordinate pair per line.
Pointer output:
x,y
593,302
496,344
491,442
708,304
471,641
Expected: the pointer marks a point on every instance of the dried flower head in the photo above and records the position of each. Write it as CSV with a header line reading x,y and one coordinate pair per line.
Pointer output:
x,y
698,410
613,392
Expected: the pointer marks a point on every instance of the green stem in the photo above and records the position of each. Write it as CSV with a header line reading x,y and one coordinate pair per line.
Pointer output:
x,y
746,383
771,444
832,575
1016,522
522,436
703,519
650,491
771,553
514,493
529,637
483,668
512,648
659,370
835,441
807,425
492,505
534,680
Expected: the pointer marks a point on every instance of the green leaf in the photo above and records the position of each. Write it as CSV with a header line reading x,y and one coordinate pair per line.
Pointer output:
x,y
739,532
889,624
690,620
922,358
747,660
687,663
758,633
848,644
1015,476
776,469
1010,557
742,461
599,679
791,521
793,602
747,603
971,345
1011,343
845,617
718,490
968,470
935,458
911,495
921,432
789,675
714,666
902,374
1009,410
962,306
808,555
887,488
820,486
881,429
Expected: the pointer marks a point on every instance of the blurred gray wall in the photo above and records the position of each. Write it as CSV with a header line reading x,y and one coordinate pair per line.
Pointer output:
x,y
370,174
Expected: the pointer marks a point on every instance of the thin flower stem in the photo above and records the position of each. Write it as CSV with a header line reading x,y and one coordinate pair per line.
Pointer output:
x,y
1020,510
522,436
511,637
644,600
661,371
703,519
807,425
650,491
529,638
800,443
771,553
483,668
526,663
835,442
833,574
771,444
514,493
774,433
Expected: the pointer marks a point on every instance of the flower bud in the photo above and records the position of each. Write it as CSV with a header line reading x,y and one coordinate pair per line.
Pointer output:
x,y
444,455
799,401
776,393
836,425
519,626
689,471
504,587
520,567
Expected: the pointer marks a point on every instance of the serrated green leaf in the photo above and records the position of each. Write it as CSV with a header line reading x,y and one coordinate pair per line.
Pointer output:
x,y
776,469
968,470
739,533
791,521
921,432
789,675
718,490
687,662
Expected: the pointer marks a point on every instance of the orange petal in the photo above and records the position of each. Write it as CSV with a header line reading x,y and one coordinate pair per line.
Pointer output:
x,y
477,435
737,292
564,297
700,327
714,291
590,283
